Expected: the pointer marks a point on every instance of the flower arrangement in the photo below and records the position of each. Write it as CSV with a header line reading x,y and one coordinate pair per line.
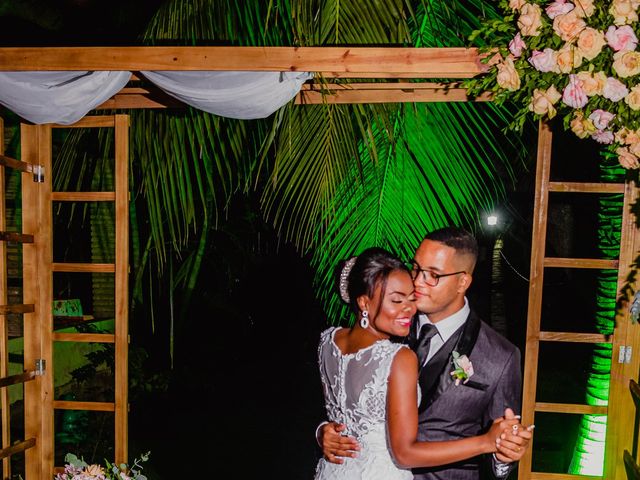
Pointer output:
x,y
463,369
576,58
77,469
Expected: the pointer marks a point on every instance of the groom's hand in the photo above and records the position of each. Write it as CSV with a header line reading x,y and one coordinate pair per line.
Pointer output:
x,y
513,442
334,444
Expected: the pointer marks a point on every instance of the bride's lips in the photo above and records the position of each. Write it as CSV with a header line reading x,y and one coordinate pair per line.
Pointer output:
x,y
404,322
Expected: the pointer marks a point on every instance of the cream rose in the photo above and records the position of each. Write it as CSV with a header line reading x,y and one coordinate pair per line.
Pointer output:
x,y
543,101
94,470
590,43
530,20
508,77
626,63
568,58
516,4
627,137
634,148
626,158
592,83
568,26
624,11
633,99
582,127
584,8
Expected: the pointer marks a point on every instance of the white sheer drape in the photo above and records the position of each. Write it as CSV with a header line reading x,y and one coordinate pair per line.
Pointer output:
x,y
243,95
58,97
66,97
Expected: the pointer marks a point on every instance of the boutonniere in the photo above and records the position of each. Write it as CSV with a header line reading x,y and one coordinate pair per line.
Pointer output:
x,y
463,368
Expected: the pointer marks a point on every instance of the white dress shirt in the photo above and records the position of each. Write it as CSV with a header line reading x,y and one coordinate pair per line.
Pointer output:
x,y
446,327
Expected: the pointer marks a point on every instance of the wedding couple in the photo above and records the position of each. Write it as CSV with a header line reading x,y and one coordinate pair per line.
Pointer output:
x,y
440,406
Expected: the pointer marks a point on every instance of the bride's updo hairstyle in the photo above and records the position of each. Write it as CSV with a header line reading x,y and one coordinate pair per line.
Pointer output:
x,y
362,274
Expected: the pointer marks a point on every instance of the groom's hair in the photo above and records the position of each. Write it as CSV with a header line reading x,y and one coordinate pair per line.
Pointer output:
x,y
457,238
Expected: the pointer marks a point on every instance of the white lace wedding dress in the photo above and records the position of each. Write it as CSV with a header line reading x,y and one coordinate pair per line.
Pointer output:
x,y
355,392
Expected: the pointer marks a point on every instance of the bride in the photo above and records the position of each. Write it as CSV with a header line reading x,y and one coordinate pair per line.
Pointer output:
x,y
370,381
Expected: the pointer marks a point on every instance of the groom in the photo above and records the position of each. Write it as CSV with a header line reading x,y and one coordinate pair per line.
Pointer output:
x,y
446,325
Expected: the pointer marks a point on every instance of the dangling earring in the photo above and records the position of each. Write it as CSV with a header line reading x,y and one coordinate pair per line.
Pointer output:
x,y
364,320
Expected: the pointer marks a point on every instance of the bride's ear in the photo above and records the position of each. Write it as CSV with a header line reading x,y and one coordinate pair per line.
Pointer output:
x,y
363,302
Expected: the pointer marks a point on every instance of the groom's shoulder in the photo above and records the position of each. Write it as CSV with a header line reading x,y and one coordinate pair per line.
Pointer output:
x,y
495,341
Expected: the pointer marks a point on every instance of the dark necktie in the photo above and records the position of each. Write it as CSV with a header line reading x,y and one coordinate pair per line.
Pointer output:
x,y
427,332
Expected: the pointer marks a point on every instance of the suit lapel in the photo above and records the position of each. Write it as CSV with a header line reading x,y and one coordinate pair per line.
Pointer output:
x,y
435,377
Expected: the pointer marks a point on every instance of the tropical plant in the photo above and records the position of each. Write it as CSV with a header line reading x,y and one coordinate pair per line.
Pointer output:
x,y
333,179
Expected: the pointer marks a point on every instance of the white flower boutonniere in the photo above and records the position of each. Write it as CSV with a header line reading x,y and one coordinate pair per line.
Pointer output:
x,y
463,368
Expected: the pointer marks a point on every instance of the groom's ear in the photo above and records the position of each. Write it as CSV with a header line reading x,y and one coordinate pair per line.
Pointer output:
x,y
465,282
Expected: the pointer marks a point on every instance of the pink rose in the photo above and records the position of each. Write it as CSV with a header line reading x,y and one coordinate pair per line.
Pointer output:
x,y
516,45
614,90
544,61
621,38
601,118
574,95
559,7
603,136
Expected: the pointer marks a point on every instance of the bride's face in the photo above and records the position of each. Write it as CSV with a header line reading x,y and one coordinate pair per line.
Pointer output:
x,y
396,308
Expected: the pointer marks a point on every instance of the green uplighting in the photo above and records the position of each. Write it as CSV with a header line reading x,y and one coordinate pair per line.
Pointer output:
x,y
588,454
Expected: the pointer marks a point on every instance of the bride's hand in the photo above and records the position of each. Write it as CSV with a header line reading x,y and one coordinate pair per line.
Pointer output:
x,y
513,444
500,426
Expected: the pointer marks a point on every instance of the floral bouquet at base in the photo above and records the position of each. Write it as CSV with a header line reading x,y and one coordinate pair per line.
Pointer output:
x,y
77,469
575,58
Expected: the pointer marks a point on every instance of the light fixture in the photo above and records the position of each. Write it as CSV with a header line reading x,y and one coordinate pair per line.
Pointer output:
x,y
492,220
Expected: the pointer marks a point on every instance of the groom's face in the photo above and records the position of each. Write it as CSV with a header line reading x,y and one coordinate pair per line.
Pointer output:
x,y
447,297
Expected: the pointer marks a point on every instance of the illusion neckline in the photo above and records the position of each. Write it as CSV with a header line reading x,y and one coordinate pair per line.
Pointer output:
x,y
363,349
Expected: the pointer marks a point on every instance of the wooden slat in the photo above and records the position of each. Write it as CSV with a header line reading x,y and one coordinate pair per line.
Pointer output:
x,y
571,408
18,378
536,284
83,196
17,448
421,62
122,289
92,406
15,237
578,187
84,267
635,392
84,337
596,263
386,95
631,467
16,308
89,122
574,337
16,164
4,329
560,476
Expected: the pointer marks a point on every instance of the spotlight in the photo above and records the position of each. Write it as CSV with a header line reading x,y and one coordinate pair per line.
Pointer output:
x,y
492,220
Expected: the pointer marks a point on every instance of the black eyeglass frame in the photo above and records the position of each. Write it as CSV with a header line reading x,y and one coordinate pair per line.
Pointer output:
x,y
415,269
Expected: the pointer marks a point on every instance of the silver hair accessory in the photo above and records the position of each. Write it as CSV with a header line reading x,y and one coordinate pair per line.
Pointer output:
x,y
344,279
364,321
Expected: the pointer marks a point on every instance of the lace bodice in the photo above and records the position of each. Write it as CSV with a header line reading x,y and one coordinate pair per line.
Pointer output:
x,y
355,392
355,385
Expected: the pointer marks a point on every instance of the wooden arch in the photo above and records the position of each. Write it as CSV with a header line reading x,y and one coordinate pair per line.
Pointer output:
x,y
390,66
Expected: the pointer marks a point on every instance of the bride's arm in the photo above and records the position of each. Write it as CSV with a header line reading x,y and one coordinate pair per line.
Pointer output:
x,y
402,418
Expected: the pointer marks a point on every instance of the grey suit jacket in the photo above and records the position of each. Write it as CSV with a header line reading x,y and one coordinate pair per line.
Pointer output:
x,y
450,412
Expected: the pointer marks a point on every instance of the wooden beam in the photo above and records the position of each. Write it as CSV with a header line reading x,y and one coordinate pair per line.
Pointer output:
x,y
17,448
18,378
93,406
586,187
84,267
581,263
83,196
406,92
561,476
84,337
330,61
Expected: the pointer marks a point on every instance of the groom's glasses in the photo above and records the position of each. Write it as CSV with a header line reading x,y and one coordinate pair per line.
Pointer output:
x,y
429,277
